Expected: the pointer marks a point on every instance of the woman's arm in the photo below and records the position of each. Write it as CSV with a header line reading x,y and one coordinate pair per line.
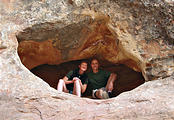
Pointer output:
x,y
67,81
83,87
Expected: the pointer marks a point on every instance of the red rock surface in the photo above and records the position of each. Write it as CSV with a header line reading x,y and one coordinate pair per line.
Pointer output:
x,y
34,53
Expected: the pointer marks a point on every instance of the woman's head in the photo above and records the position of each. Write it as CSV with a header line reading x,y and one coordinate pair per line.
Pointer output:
x,y
83,66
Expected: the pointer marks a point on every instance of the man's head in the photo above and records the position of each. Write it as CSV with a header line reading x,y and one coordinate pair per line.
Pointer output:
x,y
94,64
83,66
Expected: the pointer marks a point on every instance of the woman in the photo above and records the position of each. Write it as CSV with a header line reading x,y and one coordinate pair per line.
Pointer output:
x,y
75,82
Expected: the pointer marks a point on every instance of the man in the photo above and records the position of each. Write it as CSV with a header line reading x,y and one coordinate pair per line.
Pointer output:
x,y
75,82
102,81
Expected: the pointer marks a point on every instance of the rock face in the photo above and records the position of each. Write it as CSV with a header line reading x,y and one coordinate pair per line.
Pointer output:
x,y
140,36
136,33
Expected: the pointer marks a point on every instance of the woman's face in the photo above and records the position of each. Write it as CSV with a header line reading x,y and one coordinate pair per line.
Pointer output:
x,y
83,66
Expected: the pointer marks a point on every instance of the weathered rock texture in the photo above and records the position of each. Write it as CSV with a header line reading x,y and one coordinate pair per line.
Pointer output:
x,y
137,33
140,36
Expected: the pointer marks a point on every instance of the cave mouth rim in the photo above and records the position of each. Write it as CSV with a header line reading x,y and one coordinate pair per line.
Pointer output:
x,y
41,64
114,97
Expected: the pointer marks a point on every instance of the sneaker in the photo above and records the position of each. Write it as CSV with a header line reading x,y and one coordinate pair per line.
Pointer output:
x,y
105,95
110,94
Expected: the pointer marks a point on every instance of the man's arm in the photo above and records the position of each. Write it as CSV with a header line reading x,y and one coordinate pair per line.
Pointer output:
x,y
110,83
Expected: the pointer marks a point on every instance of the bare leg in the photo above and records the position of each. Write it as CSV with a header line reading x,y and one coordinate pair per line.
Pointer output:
x,y
99,93
65,89
102,94
77,89
61,86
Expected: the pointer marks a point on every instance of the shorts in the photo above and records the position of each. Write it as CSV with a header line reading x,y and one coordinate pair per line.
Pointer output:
x,y
104,95
70,91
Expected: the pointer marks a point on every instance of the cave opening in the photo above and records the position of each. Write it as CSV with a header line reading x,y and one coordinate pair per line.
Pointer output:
x,y
127,78
51,50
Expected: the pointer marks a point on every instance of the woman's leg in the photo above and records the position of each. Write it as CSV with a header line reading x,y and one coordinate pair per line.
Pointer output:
x,y
77,88
62,86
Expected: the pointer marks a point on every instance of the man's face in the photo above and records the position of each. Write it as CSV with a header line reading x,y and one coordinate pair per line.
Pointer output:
x,y
83,66
94,64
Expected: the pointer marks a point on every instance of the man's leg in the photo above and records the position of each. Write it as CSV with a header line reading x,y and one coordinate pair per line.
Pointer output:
x,y
100,93
77,88
61,86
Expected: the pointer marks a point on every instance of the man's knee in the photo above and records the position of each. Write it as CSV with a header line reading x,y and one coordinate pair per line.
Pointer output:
x,y
114,76
99,93
102,94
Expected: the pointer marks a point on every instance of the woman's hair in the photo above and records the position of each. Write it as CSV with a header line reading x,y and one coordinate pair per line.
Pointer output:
x,y
83,61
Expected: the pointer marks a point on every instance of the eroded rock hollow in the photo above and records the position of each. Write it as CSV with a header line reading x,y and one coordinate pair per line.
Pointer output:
x,y
48,44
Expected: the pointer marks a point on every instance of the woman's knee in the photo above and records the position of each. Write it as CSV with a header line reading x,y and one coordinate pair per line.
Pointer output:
x,y
77,83
60,85
61,81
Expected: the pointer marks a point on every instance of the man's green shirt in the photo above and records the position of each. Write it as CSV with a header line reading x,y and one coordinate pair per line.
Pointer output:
x,y
99,79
